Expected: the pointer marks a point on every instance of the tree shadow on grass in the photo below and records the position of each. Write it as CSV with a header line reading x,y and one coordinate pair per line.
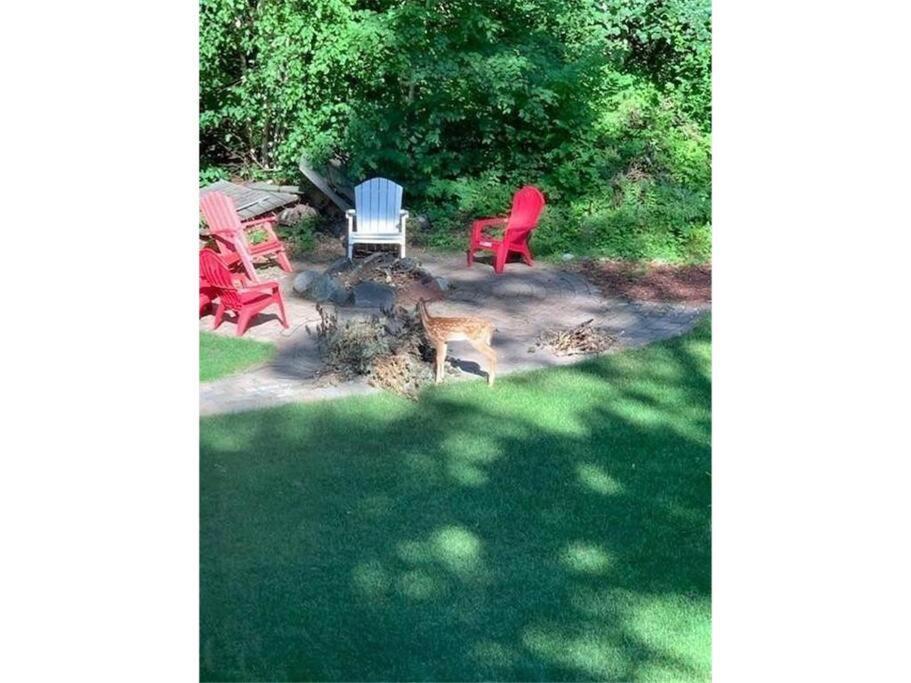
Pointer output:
x,y
556,528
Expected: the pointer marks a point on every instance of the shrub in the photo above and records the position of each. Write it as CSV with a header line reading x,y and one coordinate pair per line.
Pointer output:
x,y
605,106
300,237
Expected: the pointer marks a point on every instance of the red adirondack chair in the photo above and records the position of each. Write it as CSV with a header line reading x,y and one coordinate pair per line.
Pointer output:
x,y
207,295
244,301
230,236
527,205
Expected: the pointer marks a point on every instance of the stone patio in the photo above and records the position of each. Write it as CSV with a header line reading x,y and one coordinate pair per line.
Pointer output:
x,y
522,303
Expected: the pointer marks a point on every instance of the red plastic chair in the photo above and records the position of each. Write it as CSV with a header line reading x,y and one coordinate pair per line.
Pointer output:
x,y
207,295
527,205
229,232
244,301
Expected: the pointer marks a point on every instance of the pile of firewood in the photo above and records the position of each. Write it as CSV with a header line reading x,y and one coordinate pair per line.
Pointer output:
x,y
389,349
384,267
581,339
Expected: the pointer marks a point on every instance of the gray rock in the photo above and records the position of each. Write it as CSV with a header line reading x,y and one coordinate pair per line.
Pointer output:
x,y
408,264
303,280
442,283
567,257
296,214
340,295
373,295
327,288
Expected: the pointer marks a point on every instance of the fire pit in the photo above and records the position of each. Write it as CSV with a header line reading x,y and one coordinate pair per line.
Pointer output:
x,y
368,323
379,282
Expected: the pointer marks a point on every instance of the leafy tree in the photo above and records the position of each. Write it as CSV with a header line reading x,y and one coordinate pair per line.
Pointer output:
x,y
603,104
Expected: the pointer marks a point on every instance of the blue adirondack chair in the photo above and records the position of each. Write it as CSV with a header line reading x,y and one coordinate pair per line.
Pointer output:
x,y
377,216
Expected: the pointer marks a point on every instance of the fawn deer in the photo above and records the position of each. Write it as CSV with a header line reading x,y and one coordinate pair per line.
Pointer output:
x,y
476,331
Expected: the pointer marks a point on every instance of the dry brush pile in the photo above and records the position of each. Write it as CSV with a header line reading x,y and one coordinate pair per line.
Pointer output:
x,y
578,340
390,349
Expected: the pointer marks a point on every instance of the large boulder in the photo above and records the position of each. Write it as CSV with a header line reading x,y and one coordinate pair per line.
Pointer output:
x,y
324,287
373,295
303,280
408,264
297,214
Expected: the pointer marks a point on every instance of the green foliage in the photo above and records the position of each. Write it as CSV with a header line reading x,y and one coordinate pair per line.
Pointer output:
x,y
257,236
604,105
211,174
300,237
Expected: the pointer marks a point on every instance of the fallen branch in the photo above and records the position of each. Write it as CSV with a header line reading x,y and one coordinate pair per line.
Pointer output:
x,y
578,340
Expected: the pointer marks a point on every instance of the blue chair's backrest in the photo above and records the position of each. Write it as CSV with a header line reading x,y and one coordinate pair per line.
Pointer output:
x,y
378,202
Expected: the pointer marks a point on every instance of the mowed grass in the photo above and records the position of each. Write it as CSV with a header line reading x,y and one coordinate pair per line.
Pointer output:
x,y
556,527
220,356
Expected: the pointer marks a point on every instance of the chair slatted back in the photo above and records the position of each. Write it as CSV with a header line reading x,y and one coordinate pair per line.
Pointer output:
x,y
220,214
214,271
378,202
218,210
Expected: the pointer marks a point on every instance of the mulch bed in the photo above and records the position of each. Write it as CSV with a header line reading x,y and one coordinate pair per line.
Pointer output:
x,y
650,282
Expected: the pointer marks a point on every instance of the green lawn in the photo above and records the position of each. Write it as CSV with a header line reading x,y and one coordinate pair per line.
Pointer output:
x,y
220,356
556,527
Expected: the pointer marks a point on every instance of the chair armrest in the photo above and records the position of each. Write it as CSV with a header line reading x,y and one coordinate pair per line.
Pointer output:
x,y
228,237
404,214
350,213
268,284
484,222
257,221
221,233
478,226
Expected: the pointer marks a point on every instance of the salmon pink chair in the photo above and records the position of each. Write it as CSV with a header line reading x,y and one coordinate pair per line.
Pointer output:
x,y
244,301
527,205
230,234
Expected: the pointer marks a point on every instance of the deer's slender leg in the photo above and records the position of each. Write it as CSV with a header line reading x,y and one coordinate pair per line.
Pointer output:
x,y
490,355
440,361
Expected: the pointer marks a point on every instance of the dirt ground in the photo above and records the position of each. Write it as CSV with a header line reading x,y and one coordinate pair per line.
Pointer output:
x,y
650,282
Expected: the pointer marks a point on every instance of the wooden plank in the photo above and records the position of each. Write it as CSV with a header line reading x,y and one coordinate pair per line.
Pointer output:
x,y
269,187
249,201
321,184
337,179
